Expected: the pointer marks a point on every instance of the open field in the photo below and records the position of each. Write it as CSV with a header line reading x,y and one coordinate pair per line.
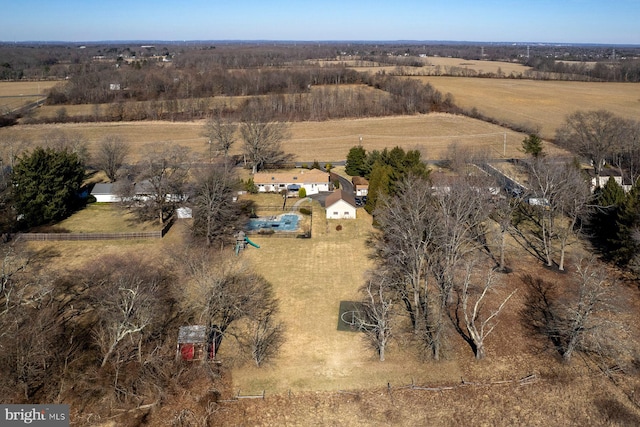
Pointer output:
x,y
543,104
323,141
433,65
17,94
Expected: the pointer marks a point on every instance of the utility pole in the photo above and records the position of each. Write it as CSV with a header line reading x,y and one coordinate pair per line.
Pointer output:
x,y
504,145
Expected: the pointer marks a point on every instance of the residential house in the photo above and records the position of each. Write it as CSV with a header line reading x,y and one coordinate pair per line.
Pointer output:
x,y
104,193
605,174
313,181
340,205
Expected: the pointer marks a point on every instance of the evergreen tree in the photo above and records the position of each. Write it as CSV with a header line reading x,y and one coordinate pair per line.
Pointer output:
x,y
389,168
604,221
533,145
46,184
356,164
380,183
624,245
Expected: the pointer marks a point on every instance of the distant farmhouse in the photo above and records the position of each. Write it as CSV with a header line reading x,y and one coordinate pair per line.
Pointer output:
x,y
607,173
313,181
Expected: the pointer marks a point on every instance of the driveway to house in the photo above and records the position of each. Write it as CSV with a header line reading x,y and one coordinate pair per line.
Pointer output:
x,y
320,197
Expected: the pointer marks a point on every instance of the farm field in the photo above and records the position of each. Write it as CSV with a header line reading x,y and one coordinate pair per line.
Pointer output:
x,y
16,94
542,104
325,141
433,65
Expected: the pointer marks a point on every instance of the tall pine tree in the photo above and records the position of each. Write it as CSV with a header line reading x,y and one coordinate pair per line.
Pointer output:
x,y
623,243
46,183
604,221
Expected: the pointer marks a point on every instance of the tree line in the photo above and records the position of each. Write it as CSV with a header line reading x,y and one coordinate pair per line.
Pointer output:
x,y
440,249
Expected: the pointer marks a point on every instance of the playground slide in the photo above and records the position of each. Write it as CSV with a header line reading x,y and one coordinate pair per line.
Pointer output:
x,y
246,239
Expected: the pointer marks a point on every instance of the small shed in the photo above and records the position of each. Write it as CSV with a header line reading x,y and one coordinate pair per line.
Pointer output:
x,y
184,212
360,186
340,205
193,343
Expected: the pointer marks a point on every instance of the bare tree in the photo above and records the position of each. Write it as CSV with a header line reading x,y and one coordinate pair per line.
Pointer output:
x,y
216,215
461,210
559,199
227,292
159,180
262,137
110,156
407,229
545,179
30,327
502,214
220,133
571,317
595,135
72,142
127,300
374,316
11,148
472,320
628,158
574,207
267,335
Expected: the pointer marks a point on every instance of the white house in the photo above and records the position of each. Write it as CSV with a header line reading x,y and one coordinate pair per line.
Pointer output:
x,y
605,174
340,205
104,193
313,181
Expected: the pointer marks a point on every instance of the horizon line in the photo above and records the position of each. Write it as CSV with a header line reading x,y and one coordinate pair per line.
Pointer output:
x,y
311,41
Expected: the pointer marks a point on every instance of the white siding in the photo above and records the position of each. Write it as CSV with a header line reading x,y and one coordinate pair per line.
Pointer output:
x,y
341,210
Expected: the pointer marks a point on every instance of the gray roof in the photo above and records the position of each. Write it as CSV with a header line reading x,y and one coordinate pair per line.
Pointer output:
x,y
102,189
192,334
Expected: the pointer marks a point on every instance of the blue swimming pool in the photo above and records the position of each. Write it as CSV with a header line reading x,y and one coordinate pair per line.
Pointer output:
x,y
285,222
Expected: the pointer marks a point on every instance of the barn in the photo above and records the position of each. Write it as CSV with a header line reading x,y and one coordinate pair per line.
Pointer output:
x,y
340,205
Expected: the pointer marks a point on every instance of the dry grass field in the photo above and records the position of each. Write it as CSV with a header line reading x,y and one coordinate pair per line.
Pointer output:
x,y
324,141
16,94
434,65
543,104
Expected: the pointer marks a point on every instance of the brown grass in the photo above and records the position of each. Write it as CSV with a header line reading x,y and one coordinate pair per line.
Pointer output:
x,y
105,218
325,141
430,64
310,277
17,94
544,104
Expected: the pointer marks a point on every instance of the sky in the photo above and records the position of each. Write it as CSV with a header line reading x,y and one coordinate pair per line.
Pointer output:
x,y
546,21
